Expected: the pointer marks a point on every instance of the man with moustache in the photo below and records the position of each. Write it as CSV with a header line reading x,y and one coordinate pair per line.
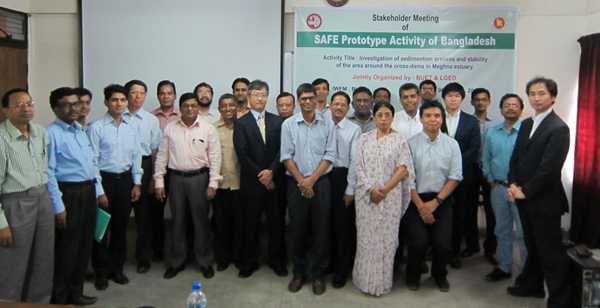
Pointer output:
x,y
322,87
166,113
499,145
227,219
257,137
116,148
191,149
437,161
464,129
308,150
362,102
240,91
428,90
149,134
343,180
286,104
73,184
204,95
480,99
26,213
85,96
381,95
535,182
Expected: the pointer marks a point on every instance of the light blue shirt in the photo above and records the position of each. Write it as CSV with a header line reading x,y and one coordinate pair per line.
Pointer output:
x,y
308,145
116,149
347,134
255,114
498,150
435,162
148,129
70,159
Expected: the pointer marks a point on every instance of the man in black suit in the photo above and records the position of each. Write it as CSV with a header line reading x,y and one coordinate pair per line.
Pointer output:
x,y
464,128
257,138
535,181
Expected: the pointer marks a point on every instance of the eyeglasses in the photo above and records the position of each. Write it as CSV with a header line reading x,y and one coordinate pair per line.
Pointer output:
x,y
287,105
481,100
428,89
21,105
306,99
204,93
258,95
69,105
135,92
511,106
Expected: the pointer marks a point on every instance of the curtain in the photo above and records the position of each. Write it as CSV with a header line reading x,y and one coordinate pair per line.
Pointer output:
x,y
585,216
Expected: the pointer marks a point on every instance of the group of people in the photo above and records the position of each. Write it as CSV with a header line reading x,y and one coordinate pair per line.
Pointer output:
x,y
355,187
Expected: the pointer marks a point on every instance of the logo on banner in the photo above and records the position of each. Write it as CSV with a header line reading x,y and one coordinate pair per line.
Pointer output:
x,y
499,23
313,21
337,3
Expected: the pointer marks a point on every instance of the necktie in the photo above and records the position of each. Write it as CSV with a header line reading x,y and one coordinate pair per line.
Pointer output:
x,y
261,126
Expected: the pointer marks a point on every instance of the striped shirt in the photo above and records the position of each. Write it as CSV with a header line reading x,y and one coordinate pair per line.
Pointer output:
x,y
23,161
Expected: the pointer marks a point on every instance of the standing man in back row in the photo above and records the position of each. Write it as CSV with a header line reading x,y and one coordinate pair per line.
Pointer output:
x,y
536,184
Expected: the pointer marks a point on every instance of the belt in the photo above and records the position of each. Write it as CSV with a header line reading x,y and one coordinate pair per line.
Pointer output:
x,y
189,173
146,157
503,183
77,184
115,175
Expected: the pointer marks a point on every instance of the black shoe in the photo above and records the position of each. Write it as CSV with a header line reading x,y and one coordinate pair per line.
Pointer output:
x,y
173,271
413,285
101,283
279,269
442,284
208,272
339,281
222,266
491,258
468,252
455,262
424,268
143,266
247,270
83,301
497,274
519,292
157,256
119,278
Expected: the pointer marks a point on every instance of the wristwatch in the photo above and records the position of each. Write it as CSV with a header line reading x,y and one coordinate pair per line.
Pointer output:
x,y
439,200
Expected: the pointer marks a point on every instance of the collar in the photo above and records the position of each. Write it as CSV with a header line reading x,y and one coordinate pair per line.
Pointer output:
x,y
425,137
407,116
300,118
343,123
140,114
68,127
174,112
196,122
540,117
15,133
107,119
516,127
256,113
452,116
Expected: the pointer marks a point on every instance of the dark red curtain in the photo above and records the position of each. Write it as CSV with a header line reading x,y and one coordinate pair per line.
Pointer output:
x,y
585,215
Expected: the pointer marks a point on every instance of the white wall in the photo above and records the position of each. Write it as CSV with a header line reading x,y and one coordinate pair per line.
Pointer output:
x,y
16,5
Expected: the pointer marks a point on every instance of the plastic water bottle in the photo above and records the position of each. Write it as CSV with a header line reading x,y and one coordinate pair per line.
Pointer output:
x,y
196,299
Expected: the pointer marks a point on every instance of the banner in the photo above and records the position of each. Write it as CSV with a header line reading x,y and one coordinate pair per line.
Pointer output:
x,y
389,47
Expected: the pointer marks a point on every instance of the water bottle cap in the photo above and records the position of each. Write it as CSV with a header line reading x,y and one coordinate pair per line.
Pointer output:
x,y
196,286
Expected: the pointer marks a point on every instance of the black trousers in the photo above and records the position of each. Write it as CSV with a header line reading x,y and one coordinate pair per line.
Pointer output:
x,y
253,207
458,211
471,210
73,245
343,223
313,214
108,256
227,222
143,215
546,257
157,213
419,234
